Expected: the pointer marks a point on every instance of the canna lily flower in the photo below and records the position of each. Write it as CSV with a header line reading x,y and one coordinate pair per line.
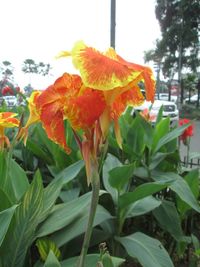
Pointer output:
x,y
69,99
91,101
33,116
115,77
188,131
7,120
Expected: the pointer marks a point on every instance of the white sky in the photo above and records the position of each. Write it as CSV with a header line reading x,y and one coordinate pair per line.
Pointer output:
x,y
40,29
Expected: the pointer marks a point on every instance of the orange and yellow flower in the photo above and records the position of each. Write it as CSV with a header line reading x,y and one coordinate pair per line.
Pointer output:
x,y
106,86
7,120
116,78
33,116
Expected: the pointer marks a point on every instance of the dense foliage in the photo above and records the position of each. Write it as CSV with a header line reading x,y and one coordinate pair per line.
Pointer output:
x,y
148,211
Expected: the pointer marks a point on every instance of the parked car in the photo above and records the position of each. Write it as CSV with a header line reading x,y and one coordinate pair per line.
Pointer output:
x,y
169,109
10,100
193,99
165,96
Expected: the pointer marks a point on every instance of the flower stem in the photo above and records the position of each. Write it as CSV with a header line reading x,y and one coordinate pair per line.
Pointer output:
x,y
188,152
95,181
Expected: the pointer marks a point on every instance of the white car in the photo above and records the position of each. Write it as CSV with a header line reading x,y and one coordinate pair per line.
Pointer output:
x,y
10,100
165,96
169,109
193,99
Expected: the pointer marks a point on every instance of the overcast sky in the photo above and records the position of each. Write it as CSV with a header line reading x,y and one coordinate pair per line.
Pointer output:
x,y
39,29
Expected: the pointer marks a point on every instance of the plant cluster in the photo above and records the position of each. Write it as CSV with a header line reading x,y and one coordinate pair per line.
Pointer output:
x,y
94,186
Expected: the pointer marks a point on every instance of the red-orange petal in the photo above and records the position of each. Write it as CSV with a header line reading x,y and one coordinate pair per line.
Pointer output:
x,y
101,71
132,97
52,121
86,109
146,75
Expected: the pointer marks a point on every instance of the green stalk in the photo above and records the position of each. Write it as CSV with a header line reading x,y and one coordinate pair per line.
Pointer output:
x,y
95,181
188,152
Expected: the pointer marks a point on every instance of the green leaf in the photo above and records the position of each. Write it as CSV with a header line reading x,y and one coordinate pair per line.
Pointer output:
x,y
13,180
156,159
135,137
78,226
142,206
51,193
18,178
168,218
27,217
179,186
161,129
91,261
140,192
192,179
69,173
52,261
110,163
119,176
148,251
159,116
107,260
5,202
184,192
148,132
64,214
170,136
5,219
37,150
195,242
44,246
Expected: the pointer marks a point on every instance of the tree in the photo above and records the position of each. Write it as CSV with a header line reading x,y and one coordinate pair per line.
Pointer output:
x,y
180,25
6,74
31,67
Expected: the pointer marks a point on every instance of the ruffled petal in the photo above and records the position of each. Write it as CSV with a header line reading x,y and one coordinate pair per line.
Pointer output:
x,y
85,109
101,71
52,121
34,112
146,75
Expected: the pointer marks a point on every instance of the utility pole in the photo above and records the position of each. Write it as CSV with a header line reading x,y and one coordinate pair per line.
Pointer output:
x,y
112,23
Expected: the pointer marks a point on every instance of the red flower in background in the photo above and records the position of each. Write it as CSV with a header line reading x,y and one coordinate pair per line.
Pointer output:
x,y
188,131
7,91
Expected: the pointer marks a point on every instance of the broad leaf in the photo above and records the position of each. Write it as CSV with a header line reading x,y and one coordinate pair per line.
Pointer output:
x,y
168,218
5,219
135,137
91,261
44,246
5,201
78,226
13,180
27,217
69,173
37,150
140,192
119,176
192,179
179,186
170,136
110,163
148,251
51,261
64,214
161,129
142,206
